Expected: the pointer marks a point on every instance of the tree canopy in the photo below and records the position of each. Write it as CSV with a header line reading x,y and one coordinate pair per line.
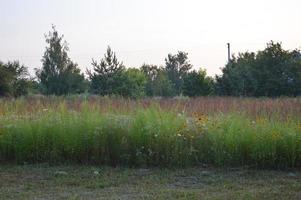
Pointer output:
x,y
177,67
59,75
158,83
271,72
106,77
14,80
197,83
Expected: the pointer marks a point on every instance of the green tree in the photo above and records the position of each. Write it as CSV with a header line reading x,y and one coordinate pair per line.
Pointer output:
x,y
157,81
197,84
177,67
151,73
13,79
271,72
134,83
278,71
107,77
162,85
238,76
5,79
59,75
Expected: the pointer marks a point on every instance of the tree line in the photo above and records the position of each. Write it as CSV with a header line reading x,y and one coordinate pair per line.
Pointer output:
x,y
271,72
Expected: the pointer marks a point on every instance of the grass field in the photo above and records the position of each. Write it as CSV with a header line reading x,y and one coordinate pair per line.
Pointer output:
x,y
105,148
260,133
91,182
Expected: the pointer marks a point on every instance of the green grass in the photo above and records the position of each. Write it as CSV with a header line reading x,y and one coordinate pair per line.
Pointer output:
x,y
92,182
144,137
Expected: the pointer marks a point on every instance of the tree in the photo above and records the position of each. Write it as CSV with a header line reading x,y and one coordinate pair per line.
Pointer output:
x,y
271,72
162,85
134,83
197,84
157,81
13,79
107,78
238,76
151,73
5,79
59,75
279,72
177,67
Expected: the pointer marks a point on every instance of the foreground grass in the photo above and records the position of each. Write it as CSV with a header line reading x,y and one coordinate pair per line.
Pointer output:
x,y
146,137
88,182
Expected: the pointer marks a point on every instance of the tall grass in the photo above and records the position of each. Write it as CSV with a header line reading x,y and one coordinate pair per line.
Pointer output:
x,y
281,108
60,131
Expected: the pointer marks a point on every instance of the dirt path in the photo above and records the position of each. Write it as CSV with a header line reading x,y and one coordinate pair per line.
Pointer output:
x,y
78,182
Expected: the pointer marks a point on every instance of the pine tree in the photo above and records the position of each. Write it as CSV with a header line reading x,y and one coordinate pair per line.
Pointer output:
x,y
107,78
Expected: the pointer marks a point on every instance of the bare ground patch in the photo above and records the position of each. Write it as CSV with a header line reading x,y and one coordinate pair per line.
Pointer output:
x,y
92,182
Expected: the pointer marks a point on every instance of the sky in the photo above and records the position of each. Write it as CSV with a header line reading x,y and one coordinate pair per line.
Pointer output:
x,y
146,31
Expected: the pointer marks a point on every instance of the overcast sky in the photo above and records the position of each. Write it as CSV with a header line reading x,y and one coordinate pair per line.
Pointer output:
x,y
145,31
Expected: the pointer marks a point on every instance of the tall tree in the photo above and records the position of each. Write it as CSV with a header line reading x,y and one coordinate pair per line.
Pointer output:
x,y
177,67
59,75
107,76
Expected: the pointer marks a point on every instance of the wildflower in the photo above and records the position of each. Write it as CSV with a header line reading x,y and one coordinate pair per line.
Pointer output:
x,y
275,135
150,152
202,119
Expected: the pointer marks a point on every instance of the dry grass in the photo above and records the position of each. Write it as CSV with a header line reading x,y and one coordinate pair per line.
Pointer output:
x,y
281,107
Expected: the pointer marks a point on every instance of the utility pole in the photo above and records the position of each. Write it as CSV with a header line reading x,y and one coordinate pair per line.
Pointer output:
x,y
229,53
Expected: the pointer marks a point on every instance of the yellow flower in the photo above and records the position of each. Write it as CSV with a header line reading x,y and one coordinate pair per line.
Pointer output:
x,y
202,118
275,135
260,120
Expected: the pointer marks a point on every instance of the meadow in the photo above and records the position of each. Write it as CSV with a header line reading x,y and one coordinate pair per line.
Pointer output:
x,y
157,132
